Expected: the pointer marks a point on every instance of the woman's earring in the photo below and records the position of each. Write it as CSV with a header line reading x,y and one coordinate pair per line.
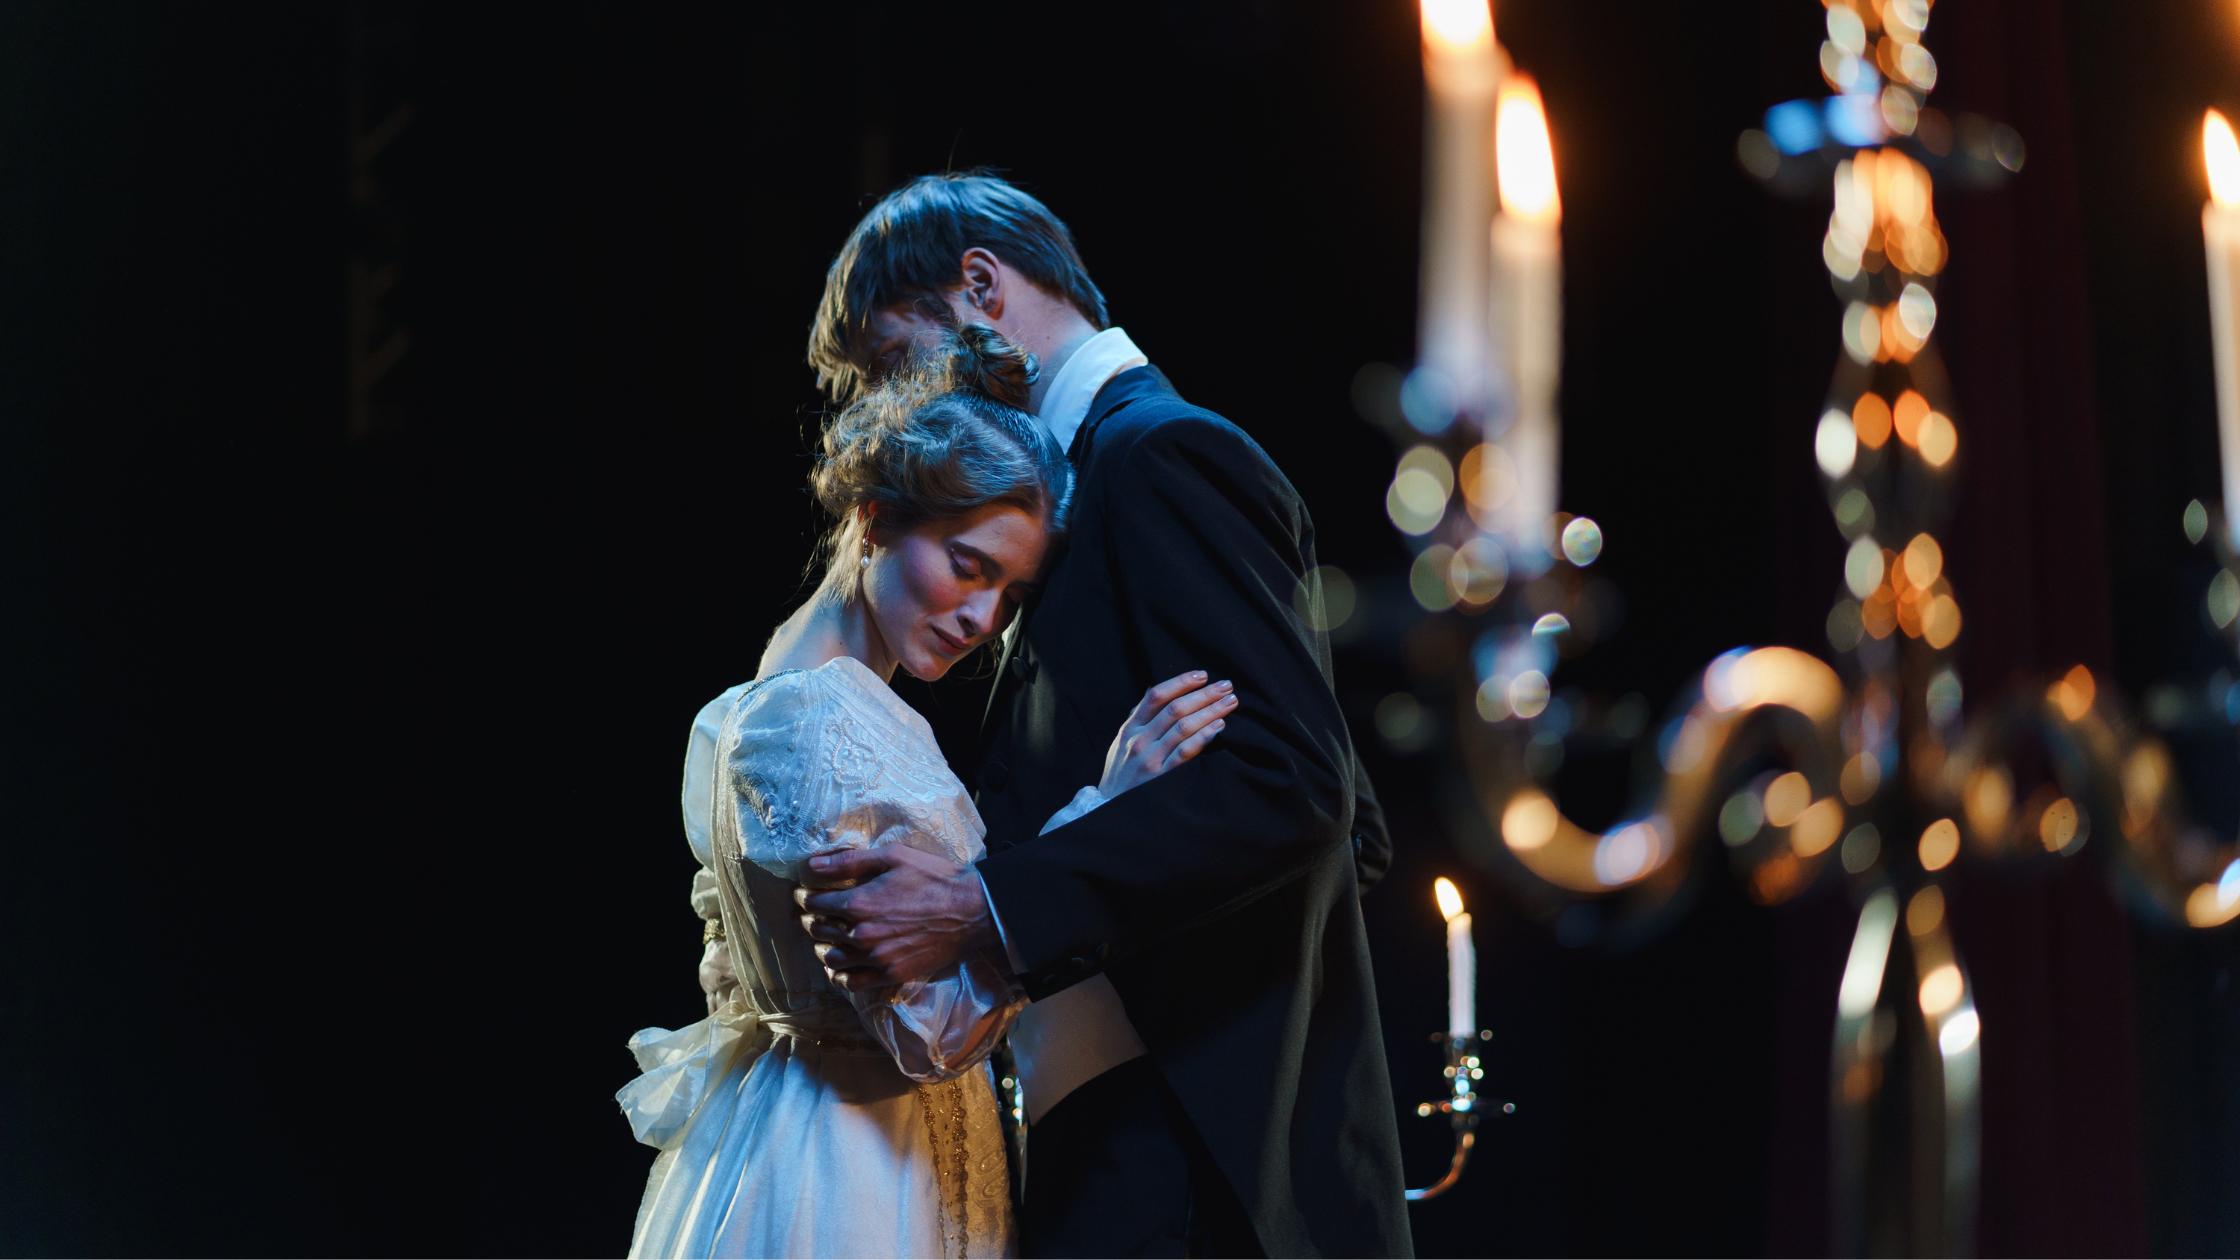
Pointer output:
x,y
866,560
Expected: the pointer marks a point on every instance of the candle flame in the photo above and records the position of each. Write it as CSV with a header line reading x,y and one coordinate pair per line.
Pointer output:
x,y
1455,25
1524,162
1450,898
2221,153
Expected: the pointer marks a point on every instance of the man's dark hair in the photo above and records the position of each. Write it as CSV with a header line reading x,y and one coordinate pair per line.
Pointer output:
x,y
909,248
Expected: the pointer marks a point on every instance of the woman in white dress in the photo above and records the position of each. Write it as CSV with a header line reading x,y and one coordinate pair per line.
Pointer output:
x,y
798,1119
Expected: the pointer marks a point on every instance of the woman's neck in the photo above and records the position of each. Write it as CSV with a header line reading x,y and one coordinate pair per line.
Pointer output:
x,y
824,629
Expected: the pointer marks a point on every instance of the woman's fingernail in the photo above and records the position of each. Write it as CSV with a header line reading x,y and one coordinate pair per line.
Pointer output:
x,y
1226,685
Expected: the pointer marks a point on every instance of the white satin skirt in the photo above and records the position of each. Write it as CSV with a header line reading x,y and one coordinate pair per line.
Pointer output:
x,y
827,1150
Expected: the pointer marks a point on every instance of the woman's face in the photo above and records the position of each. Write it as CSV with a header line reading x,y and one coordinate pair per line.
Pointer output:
x,y
940,590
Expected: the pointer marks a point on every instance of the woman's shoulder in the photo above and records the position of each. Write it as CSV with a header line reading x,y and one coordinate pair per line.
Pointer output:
x,y
822,754
840,698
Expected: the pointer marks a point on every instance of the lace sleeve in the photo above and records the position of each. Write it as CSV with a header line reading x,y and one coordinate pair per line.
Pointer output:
x,y
817,766
831,759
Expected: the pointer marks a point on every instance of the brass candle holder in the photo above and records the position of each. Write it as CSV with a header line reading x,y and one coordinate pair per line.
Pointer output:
x,y
1462,1106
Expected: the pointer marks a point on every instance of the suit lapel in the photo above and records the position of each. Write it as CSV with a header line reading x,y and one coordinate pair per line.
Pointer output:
x,y
1013,668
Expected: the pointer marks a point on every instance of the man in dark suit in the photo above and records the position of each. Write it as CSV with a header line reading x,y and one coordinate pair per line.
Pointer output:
x,y
1202,1060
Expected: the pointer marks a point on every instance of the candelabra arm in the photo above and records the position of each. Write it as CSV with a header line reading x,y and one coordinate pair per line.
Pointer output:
x,y
1462,1106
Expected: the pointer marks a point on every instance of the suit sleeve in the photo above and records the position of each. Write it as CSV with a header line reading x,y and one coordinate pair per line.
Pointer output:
x,y
1204,548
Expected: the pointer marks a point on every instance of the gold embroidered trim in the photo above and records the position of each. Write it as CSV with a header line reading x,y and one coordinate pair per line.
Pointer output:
x,y
945,1129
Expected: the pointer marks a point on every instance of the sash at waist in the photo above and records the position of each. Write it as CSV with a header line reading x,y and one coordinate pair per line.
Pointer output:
x,y
832,1025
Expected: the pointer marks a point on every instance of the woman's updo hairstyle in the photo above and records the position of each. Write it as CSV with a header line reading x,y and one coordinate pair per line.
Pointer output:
x,y
947,435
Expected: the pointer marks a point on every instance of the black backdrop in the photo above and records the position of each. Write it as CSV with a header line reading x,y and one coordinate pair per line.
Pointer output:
x,y
342,852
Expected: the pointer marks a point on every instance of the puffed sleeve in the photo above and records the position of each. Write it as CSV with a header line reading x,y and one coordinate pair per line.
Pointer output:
x,y
823,761
681,1068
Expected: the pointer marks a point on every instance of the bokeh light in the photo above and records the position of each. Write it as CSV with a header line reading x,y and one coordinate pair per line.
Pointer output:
x,y
2061,827
1846,31
1854,512
1940,621
1863,567
1925,911
1528,694
1862,847
1428,578
1922,561
1942,989
1786,798
1477,572
2224,599
1417,498
1861,776
1529,821
1400,719
1835,444
1488,478
1816,829
1940,843
1942,697
1870,419
1628,853
1862,332
1987,800
1938,440
1844,626
1906,413
2074,694
1917,311
1960,1031
1582,541
1740,818
1325,598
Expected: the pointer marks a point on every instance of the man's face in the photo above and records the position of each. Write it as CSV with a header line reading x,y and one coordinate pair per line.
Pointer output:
x,y
892,333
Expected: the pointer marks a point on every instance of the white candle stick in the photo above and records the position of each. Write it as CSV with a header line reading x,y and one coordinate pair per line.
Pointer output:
x,y
2220,230
1462,962
1527,312
1462,73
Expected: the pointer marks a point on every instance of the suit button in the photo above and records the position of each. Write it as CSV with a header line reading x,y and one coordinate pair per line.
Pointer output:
x,y
995,776
1024,666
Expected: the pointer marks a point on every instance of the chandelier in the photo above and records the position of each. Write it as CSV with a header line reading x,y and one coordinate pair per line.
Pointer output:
x,y
1860,761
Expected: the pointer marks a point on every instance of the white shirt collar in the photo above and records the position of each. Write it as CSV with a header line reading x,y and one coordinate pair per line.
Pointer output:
x,y
1066,404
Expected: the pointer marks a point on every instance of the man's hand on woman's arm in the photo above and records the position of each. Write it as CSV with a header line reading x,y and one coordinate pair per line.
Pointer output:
x,y
884,916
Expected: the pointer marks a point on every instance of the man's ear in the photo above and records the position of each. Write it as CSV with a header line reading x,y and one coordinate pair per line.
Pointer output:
x,y
983,286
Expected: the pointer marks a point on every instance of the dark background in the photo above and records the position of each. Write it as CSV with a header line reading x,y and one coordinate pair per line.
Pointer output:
x,y
404,427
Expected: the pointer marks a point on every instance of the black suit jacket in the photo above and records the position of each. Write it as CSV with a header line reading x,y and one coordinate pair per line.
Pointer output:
x,y
1221,898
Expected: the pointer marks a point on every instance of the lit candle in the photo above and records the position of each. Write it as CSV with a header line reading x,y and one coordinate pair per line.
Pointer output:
x,y
2220,228
1461,73
1462,962
1528,309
